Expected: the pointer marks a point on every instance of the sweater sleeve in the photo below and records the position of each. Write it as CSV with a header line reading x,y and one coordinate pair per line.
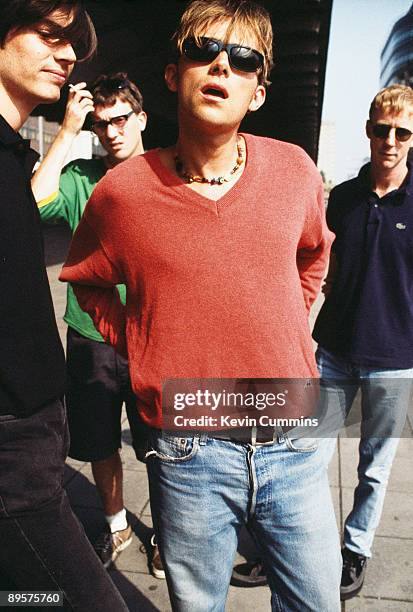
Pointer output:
x,y
57,207
313,249
94,278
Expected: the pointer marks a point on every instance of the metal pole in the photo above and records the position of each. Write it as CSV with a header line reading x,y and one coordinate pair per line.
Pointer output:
x,y
40,125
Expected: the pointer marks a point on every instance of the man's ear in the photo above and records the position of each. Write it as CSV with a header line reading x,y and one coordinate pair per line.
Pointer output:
x,y
142,119
368,128
258,99
171,77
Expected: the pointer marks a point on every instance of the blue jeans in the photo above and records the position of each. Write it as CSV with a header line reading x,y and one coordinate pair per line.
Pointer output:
x,y
203,490
385,396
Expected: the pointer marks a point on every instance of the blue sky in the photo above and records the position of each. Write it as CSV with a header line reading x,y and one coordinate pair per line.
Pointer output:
x,y
359,29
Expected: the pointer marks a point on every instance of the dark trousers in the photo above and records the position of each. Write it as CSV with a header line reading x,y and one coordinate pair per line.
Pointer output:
x,y
43,545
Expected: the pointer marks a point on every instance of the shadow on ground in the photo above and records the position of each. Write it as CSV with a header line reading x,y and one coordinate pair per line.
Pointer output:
x,y
87,507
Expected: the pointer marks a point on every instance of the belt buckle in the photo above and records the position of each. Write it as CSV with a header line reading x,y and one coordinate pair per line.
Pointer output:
x,y
254,431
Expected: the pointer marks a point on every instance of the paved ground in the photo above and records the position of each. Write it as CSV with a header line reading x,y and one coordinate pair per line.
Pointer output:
x,y
389,582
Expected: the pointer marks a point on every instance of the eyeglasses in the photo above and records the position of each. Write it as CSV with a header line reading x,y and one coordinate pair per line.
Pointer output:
x,y
382,130
207,49
111,85
118,122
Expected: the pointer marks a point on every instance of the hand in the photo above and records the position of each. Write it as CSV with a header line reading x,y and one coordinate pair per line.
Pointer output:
x,y
327,286
79,104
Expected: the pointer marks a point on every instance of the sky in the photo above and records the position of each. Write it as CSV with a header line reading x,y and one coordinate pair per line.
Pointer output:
x,y
359,30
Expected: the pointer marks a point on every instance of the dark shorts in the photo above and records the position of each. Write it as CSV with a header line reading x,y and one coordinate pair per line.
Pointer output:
x,y
98,384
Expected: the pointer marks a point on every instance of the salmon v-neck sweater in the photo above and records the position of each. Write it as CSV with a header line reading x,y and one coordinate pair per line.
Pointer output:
x,y
214,288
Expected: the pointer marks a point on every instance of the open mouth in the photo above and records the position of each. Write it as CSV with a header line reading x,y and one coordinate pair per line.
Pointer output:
x,y
215,92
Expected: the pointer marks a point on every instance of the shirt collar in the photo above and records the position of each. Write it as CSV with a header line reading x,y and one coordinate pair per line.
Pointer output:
x,y
12,140
408,183
8,136
405,189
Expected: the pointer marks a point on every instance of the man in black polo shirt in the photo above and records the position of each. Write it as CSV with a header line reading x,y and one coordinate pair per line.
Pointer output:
x,y
365,327
43,547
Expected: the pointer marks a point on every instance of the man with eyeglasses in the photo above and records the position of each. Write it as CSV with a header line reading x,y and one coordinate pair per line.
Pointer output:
x,y
98,378
365,327
222,243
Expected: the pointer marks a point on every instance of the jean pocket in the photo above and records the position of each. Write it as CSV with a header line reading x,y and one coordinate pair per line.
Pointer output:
x,y
5,418
171,448
301,445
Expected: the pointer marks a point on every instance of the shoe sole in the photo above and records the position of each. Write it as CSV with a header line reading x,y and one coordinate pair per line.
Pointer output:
x,y
350,594
239,579
248,584
157,573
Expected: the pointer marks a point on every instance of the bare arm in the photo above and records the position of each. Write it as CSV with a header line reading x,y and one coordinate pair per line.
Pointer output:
x,y
45,182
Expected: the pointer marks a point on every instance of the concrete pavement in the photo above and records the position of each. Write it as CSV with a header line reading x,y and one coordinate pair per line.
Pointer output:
x,y
389,582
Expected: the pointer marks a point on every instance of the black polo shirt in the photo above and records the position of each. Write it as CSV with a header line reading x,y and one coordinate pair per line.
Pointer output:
x,y
32,366
368,316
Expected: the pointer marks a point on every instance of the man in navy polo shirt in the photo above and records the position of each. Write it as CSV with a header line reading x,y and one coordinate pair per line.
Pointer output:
x,y
365,327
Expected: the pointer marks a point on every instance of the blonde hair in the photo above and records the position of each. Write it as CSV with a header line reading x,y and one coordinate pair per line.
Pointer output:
x,y
395,98
244,15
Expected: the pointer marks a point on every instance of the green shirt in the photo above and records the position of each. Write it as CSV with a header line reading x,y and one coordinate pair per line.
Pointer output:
x,y
77,181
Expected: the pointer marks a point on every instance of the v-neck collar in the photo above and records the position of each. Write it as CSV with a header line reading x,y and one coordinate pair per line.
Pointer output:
x,y
187,194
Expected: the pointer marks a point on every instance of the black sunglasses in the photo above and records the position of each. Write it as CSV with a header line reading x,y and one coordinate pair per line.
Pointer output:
x,y
110,85
240,58
382,130
118,122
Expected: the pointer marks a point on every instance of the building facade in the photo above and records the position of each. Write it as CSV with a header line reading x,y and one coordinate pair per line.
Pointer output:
x,y
42,133
397,55
326,162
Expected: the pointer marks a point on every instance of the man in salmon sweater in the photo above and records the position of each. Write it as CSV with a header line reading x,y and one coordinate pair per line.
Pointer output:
x,y
221,242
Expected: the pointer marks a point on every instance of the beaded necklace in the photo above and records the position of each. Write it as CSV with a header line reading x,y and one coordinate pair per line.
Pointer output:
x,y
219,180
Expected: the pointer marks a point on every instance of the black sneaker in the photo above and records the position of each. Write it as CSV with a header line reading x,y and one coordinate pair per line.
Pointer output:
x,y
352,577
108,546
250,574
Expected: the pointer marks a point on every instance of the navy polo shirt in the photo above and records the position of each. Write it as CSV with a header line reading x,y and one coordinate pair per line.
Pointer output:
x,y
368,316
